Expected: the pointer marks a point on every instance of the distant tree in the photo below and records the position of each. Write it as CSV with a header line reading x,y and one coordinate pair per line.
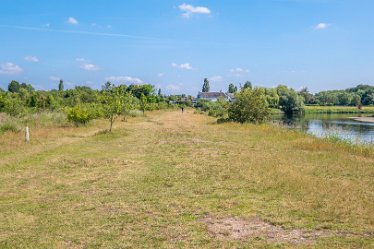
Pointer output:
x,y
272,97
107,86
289,101
247,84
356,100
345,98
137,90
61,86
14,86
27,87
113,101
159,92
206,87
233,88
250,106
143,103
308,97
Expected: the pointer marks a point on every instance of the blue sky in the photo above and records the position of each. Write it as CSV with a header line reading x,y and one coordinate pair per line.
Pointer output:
x,y
321,44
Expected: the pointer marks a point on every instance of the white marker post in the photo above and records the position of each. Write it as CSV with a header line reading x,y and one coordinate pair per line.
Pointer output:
x,y
27,135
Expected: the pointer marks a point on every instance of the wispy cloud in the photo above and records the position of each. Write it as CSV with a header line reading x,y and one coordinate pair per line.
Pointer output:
x,y
124,79
239,71
186,66
216,78
80,59
188,10
10,68
72,21
54,78
76,32
160,74
90,67
31,58
321,26
173,88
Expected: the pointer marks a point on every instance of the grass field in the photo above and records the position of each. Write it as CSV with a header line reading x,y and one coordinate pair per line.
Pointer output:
x,y
182,181
337,109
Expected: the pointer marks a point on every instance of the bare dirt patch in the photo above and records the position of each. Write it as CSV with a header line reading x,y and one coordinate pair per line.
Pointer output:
x,y
234,228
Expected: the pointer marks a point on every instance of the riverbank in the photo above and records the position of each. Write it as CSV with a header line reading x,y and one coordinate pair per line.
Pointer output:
x,y
364,119
173,180
337,109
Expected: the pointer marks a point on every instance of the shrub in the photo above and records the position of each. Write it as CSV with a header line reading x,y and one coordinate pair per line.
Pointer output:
x,y
250,106
78,115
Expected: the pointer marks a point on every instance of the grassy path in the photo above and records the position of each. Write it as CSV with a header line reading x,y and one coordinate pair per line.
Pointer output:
x,y
156,179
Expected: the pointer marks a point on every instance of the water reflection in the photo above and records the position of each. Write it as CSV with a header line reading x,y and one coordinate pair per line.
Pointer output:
x,y
323,125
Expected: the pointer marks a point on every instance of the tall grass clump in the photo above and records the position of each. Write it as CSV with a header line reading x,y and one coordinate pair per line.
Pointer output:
x,y
337,109
9,126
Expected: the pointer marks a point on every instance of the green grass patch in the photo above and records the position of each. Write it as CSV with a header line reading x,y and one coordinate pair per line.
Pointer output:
x,y
152,181
337,109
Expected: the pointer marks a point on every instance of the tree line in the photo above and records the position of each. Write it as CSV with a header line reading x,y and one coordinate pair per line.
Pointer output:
x,y
82,103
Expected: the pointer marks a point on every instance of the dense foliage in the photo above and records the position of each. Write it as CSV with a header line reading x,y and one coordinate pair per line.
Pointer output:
x,y
82,103
359,95
250,106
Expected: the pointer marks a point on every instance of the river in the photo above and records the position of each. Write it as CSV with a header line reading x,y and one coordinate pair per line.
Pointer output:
x,y
324,125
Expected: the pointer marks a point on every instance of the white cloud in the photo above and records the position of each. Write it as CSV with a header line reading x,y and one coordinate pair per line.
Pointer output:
x,y
216,78
10,68
189,10
54,78
80,59
186,66
124,79
31,58
90,67
160,74
239,71
47,25
321,26
72,21
172,88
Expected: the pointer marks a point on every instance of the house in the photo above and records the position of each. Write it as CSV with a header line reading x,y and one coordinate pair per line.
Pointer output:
x,y
212,96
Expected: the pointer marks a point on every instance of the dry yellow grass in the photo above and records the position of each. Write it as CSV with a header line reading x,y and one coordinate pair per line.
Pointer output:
x,y
153,181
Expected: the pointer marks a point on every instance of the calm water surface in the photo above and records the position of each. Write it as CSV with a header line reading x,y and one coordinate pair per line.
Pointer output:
x,y
323,125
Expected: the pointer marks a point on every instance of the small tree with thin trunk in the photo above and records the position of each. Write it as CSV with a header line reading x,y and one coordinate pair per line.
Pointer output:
x,y
113,101
143,103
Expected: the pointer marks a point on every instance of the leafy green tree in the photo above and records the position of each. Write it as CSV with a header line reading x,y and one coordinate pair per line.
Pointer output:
x,y
247,84
345,98
14,106
159,92
143,103
250,106
145,89
233,88
289,101
113,103
61,86
308,97
206,87
272,97
356,100
14,86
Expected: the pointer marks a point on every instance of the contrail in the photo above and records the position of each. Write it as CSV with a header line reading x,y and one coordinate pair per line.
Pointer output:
x,y
76,32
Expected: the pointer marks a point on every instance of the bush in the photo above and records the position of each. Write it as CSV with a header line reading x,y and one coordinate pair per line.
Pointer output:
x,y
250,106
78,115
